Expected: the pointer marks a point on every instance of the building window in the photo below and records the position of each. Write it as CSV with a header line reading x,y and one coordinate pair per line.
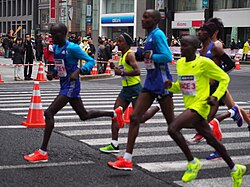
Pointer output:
x,y
44,16
4,9
30,7
9,8
24,7
18,7
188,5
227,4
114,6
44,1
13,8
1,6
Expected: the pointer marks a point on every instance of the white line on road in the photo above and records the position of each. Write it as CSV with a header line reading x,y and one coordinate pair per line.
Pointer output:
x,y
42,165
218,182
181,165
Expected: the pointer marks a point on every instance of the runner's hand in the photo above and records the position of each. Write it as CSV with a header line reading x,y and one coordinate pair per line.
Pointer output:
x,y
74,75
211,100
49,75
112,65
167,84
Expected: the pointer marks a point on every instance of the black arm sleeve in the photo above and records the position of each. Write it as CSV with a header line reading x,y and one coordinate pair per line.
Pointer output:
x,y
228,64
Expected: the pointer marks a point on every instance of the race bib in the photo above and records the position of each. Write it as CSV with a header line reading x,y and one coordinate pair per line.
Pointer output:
x,y
188,85
59,64
149,63
121,67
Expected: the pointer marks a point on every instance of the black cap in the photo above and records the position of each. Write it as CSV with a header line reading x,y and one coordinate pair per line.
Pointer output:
x,y
127,38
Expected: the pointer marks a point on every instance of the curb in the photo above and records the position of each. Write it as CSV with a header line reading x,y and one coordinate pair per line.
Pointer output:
x,y
87,77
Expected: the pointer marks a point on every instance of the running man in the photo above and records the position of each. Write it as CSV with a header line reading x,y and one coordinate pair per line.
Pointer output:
x,y
194,73
66,56
129,71
215,51
157,56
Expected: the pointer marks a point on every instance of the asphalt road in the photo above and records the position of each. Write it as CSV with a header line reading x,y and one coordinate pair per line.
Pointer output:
x,y
77,163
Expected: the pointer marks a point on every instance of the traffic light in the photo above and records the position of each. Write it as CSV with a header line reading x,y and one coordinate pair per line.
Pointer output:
x,y
208,14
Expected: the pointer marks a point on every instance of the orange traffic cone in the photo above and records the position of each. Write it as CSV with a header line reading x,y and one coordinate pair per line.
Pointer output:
x,y
94,70
40,73
172,62
127,113
116,56
1,80
237,62
108,70
35,117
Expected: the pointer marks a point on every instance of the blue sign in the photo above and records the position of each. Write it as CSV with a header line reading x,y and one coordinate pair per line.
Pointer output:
x,y
117,19
88,20
204,3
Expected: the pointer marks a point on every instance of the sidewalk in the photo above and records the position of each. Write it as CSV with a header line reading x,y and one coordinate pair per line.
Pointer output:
x,y
7,72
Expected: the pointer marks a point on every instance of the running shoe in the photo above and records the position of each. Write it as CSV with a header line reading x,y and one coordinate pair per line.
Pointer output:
x,y
238,174
121,164
36,157
196,139
119,117
110,149
237,115
216,129
213,156
192,171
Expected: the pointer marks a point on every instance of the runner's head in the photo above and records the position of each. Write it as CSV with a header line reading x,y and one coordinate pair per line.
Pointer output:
x,y
219,25
207,31
189,45
124,41
58,33
150,19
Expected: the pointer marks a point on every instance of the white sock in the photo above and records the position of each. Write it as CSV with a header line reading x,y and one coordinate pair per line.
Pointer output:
x,y
127,156
115,143
234,168
115,114
42,151
193,161
211,126
232,113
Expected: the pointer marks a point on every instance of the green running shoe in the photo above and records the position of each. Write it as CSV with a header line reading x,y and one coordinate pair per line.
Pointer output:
x,y
110,149
192,171
238,174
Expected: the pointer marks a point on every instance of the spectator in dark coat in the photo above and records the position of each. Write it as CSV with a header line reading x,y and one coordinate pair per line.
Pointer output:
x,y
29,57
39,47
6,46
18,58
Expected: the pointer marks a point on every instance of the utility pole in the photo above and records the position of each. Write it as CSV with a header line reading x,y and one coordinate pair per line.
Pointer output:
x,y
170,18
208,12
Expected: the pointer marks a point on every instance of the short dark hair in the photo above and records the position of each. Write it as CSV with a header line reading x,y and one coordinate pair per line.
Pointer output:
x,y
61,27
210,27
219,24
127,38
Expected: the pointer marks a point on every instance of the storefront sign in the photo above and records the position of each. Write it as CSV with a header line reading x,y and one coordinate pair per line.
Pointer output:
x,y
88,20
52,11
186,24
204,3
117,19
181,24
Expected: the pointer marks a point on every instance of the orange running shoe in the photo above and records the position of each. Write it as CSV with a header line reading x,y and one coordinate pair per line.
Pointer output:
x,y
36,157
216,129
119,118
121,164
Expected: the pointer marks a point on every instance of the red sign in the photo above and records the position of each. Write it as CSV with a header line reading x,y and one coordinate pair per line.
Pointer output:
x,y
52,11
197,23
